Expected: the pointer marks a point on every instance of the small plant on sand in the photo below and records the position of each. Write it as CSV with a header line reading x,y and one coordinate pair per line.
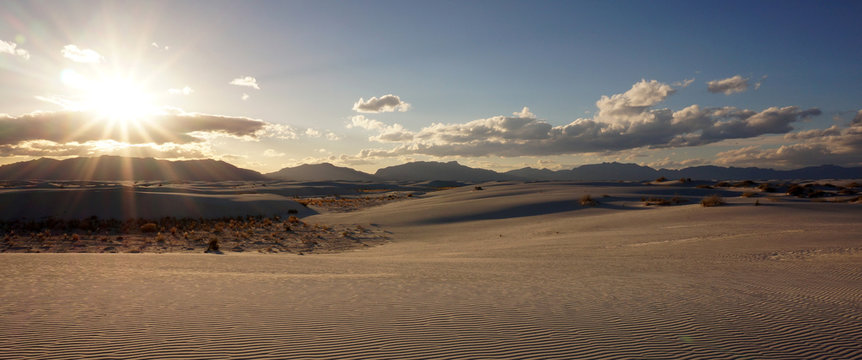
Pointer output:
x,y
478,188
293,219
212,247
149,228
587,200
749,194
661,179
713,200
703,186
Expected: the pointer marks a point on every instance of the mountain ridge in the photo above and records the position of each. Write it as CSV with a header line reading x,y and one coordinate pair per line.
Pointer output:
x,y
128,168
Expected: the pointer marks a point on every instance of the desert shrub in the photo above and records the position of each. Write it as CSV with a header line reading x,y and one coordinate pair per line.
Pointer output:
x,y
293,219
713,200
704,186
149,228
846,191
796,190
756,202
746,183
587,200
160,238
854,185
817,194
722,184
212,247
657,201
749,194
478,188
766,187
661,179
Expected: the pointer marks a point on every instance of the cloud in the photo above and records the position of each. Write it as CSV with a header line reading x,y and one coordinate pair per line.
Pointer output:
x,y
157,46
247,81
386,133
629,120
684,84
168,126
360,121
76,54
107,147
11,48
524,113
857,120
386,103
184,91
273,153
278,131
331,136
833,145
244,97
312,132
729,86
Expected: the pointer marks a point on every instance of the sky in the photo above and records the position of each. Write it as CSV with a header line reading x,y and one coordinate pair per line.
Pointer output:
x,y
493,84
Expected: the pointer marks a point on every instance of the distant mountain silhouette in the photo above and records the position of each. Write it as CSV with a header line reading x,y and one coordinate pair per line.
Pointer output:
x,y
321,172
108,168
432,170
633,172
452,171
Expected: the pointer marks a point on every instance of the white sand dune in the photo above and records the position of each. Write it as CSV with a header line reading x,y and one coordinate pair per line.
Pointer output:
x,y
509,272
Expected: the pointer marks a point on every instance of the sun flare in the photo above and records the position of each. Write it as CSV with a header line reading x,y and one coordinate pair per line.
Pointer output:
x,y
113,98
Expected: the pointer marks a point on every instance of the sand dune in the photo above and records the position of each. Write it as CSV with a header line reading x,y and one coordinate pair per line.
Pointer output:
x,y
511,271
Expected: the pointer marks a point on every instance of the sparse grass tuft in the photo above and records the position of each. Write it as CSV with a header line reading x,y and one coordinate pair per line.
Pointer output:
x,y
749,194
704,186
149,228
713,200
212,247
587,200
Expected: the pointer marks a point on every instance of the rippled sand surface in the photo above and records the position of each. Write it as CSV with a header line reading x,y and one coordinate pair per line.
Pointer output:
x,y
511,271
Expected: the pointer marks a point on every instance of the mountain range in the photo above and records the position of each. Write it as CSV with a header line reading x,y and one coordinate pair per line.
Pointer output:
x,y
120,168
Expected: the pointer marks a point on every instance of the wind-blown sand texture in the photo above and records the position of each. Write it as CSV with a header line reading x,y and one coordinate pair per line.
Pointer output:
x,y
511,271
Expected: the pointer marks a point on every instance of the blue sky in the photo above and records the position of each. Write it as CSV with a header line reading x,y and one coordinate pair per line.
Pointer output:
x,y
154,79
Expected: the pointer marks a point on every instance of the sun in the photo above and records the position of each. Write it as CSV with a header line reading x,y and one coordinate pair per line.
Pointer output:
x,y
112,98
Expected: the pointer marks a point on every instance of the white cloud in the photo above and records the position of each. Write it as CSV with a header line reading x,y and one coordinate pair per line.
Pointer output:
x,y
684,84
624,121
11,48
312,132
160,47
244,97
76,54
331,136
385,103
524,113
360,121
278,131
184,91
247,81
729,86
273,153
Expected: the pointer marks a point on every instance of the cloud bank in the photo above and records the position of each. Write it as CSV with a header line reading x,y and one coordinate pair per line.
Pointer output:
x,y
385,103
623,121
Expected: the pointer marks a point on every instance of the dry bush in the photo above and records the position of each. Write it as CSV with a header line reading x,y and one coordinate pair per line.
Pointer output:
x,y
746,183
149,228
713,200
587,200
293,219
661,179
657,201
704,187
749,194
722,184
212,247
766,187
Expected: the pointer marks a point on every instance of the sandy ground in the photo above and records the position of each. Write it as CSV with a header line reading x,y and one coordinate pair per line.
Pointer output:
x,y
511,271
